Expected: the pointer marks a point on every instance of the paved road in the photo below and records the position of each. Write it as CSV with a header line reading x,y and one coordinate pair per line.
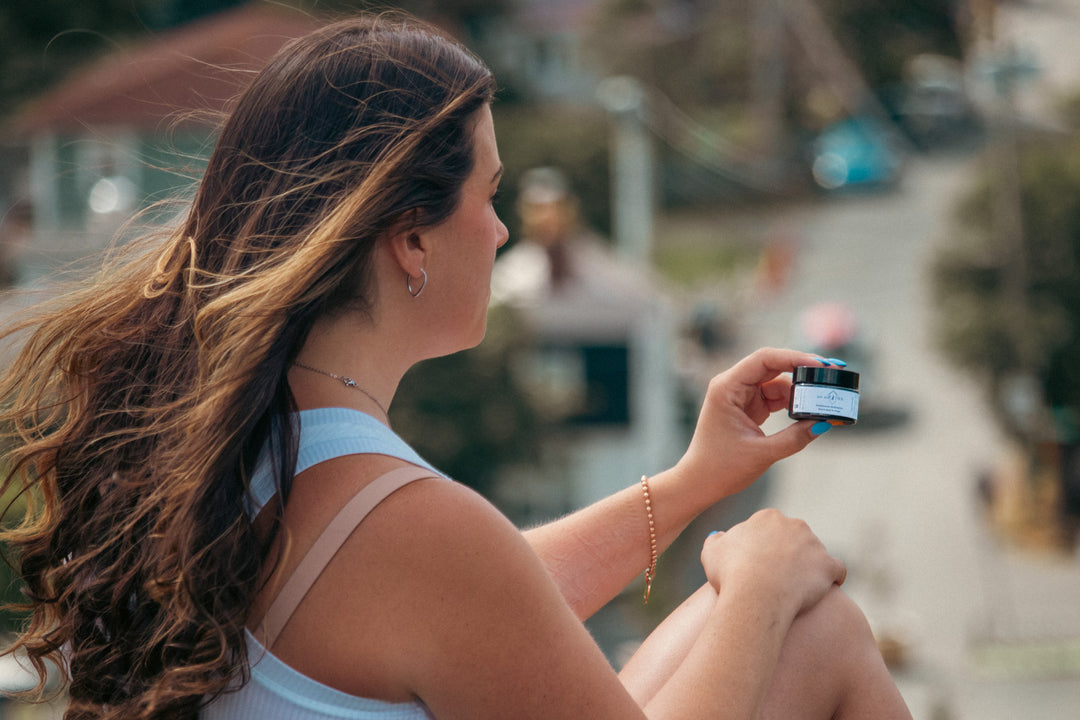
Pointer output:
x,y
1046,31
899,502
994,633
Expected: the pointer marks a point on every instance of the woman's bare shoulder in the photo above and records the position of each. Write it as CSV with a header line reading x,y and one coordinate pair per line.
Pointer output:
x,y
444,599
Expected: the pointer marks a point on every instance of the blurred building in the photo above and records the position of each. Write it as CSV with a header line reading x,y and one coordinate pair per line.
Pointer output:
x,y
604,336
540,50
135,128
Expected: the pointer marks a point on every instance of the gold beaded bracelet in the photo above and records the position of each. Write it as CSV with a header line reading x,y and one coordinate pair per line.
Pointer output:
x,y
650,572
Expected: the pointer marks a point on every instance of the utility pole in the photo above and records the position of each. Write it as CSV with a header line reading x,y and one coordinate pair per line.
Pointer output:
x,y
631,168
767,80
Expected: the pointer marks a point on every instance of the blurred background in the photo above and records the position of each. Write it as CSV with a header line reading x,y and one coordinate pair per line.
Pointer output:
x,y
895,183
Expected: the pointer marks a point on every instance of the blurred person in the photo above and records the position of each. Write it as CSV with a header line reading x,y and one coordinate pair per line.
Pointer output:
x,y
224,525
549,221
557,258
777,261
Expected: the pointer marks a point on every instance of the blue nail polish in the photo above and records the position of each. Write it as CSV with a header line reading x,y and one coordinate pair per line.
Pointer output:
x,y
714,532
823,361
837,361
820,428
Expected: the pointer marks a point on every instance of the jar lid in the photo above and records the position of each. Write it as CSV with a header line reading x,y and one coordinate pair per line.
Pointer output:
x,y
827,376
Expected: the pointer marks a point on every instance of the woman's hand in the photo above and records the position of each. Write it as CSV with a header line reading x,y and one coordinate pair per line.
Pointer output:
x,y
594,552
729,450
776,560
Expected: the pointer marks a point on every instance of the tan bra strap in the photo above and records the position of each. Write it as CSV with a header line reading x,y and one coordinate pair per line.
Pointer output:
x,y
327,545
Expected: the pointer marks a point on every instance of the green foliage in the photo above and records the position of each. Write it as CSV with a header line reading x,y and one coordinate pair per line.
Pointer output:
x,y
465,413
975,315
691,264
699,54
10,584
696,53
466,19
881,36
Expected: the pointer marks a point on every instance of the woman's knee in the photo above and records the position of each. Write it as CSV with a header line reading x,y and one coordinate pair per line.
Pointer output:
x,y
835,632
833,647
667,645
823,653
839,613
826,650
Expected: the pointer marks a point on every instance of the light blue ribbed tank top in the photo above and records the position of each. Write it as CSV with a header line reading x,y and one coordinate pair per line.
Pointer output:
x,y
275,689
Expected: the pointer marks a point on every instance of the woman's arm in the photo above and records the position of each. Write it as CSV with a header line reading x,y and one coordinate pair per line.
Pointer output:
x,y
475,627
592,554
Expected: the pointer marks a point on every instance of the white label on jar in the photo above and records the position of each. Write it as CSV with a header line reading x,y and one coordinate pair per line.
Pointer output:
x,y
823,400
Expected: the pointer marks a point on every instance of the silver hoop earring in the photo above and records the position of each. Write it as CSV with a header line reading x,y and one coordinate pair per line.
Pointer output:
x,y
408,283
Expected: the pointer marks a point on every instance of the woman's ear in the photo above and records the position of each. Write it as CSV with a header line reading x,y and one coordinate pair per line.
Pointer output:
x,y
406,243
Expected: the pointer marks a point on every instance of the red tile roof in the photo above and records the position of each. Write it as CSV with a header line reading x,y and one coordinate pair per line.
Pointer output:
x,y
197,67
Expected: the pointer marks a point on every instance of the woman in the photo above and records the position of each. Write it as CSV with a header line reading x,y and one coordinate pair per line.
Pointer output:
x,y
194,421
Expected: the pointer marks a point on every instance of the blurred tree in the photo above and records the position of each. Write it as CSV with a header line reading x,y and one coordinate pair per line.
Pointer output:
x,y
693,51
463,10
881,36
11,511
698,52
467,20
762,78
976,312
465,412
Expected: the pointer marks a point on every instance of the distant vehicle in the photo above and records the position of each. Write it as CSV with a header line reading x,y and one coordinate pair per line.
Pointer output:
x,y
858,151
934,107
833,329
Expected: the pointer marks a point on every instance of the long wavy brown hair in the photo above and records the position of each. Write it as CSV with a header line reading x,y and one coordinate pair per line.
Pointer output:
x,y
137,405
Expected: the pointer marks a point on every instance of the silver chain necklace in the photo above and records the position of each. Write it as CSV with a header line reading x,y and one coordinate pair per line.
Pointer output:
x,y
347,382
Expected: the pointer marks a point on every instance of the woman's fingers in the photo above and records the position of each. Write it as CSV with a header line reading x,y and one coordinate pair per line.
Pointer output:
x,y
779,555
766,364
793,438
776,393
